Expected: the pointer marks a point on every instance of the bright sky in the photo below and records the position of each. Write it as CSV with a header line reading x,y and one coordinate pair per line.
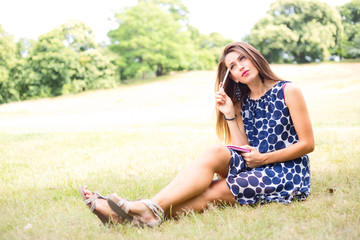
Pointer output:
x,y
30,18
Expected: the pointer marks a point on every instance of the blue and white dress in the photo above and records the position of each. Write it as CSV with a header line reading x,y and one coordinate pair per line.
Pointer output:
x,y
269,127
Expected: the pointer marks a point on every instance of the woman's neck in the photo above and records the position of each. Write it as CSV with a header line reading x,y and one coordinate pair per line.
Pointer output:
x,y
259,88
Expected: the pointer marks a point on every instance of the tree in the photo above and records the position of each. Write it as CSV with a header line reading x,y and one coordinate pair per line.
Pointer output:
x,y
7,62
94,67
176,8
24,46
78,36
273,41
47,67
297,30
149,40
62,61
350,15
208,49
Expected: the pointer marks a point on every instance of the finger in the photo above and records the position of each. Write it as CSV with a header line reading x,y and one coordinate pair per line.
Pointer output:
x,y
244,155
222,91
247,147
220,95
220,100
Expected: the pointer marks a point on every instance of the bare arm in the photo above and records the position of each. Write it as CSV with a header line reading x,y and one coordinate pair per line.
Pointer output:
x,y
236,126
237,129
300,117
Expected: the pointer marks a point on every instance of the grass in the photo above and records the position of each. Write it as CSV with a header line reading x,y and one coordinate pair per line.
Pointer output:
x,y
134,139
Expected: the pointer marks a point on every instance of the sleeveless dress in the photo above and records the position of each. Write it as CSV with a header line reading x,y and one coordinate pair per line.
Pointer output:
x,y
269,127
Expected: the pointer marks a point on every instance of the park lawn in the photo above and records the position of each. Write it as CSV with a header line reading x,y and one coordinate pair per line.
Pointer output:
x,y
151,131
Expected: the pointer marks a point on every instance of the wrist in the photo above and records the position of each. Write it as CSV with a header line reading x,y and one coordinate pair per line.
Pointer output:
x,y
264,158
230,113
230,117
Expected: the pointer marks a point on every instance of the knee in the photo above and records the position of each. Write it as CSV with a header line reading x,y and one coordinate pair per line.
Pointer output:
x,y
220,151
221,155
216,158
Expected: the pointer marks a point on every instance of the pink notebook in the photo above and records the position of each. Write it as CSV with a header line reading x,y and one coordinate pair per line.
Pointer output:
x,y
240,149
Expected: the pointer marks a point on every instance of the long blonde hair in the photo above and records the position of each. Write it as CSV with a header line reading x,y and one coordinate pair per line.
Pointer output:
x,y
265,73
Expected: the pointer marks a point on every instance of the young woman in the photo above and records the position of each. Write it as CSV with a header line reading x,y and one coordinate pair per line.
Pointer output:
x,y
256,110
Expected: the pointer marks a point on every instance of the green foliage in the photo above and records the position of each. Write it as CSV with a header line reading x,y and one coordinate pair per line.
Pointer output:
x,y
23,47
297,30
149,40
350,13
48,67
153,37
77,36
175,7
7,61
65,60
272,40
95,69
208,49
213,43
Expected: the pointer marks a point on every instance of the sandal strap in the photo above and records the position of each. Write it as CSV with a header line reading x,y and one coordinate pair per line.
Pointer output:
x,y
93,206
94,198
126,205
155,208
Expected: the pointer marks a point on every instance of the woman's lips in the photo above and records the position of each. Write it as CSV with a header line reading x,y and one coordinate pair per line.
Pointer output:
x,y
245,73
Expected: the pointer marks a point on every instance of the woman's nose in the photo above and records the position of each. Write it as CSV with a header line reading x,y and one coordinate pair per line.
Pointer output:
x,y
241,67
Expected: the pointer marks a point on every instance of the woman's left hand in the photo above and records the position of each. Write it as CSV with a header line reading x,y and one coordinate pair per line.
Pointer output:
x,y
254,158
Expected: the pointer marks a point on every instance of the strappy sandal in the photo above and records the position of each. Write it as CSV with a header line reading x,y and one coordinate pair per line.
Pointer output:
x,y
104,219
116,205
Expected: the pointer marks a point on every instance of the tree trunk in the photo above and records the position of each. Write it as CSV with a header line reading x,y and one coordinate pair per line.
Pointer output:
x,y
159,70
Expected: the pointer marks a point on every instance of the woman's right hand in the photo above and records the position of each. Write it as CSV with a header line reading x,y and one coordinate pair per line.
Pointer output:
x,y
224,104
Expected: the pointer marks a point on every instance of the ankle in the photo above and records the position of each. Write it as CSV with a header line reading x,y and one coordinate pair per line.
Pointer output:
x,y
138,207
165,206
141,209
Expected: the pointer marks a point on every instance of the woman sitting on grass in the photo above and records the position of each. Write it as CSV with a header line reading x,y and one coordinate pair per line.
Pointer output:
x,y
256,110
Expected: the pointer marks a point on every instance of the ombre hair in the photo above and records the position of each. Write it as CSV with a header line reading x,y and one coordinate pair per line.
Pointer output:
x,y
265,74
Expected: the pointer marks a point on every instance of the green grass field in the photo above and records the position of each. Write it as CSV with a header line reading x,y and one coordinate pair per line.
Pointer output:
x,y
134,139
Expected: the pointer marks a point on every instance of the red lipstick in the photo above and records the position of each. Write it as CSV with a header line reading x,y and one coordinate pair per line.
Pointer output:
x,y
245,73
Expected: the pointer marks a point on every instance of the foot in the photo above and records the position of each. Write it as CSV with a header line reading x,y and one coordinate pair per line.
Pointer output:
x,y
139,210
103,207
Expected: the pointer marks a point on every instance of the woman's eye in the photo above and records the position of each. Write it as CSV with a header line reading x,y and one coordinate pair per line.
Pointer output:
x,y
242,58
232,67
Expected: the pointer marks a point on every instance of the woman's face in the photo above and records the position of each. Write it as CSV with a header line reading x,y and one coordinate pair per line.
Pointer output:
x,y
241,68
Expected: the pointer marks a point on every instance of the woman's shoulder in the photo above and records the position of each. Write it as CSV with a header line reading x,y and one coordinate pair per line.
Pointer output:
x,y
292,92
291,88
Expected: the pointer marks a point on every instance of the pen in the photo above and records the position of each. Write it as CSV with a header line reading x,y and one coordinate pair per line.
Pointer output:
x,y
227,73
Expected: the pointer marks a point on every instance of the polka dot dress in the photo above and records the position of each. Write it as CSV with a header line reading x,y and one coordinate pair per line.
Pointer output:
x,y
269,127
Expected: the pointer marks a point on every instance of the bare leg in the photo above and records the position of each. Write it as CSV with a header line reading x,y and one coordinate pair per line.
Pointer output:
x,y
195,178
217,192
191,188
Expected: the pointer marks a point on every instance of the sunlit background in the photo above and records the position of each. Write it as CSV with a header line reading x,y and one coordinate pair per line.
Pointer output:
x,y
52,48
231,18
